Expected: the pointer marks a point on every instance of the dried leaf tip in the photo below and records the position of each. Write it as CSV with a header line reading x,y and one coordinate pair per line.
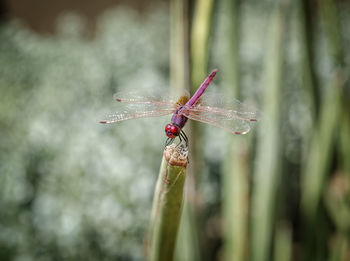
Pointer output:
x,y
176,155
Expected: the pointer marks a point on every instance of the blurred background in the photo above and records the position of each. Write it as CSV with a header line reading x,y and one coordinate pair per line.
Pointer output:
x,y
72,189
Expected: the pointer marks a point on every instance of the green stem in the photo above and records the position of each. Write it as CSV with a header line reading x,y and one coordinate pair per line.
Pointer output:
x,y
321,149
199,62
319,161
344,139
268,147
339,248
235,203
179,46
187,247
199,43
320,152
306,22
167,204
200,40
283,243
235,185
229,43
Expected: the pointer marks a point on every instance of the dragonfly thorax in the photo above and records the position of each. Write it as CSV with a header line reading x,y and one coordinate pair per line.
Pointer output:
x,y
182,100
172,131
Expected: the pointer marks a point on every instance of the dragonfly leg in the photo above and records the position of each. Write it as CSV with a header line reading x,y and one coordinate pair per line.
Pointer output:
x,y
183,135
168,141
180,140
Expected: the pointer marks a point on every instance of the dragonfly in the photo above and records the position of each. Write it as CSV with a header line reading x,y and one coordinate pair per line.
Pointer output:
x,y
206,107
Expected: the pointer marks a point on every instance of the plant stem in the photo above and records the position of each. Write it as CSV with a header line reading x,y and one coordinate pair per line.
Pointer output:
x,y
283,243
200,33
200,40
268,147
306,21
199,43
235,185
321,149
167,203
318,164
186,246
179,46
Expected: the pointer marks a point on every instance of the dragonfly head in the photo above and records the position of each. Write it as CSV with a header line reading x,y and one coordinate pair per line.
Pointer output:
x,y
172,130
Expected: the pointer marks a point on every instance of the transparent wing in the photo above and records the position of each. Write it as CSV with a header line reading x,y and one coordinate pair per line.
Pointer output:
x,y
217,103
158,98
233,125
139,111
142,104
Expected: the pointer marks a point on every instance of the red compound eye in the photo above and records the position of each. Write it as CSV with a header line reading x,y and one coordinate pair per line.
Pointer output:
x,y
172,130
175,130
167,127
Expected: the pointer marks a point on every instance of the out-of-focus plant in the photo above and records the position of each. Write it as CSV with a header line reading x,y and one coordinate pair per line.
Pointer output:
x,y
269,147
70,188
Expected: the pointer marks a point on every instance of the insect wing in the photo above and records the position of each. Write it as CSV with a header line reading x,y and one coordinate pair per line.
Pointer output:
x,y
233,125
145,97
139,111
217,103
